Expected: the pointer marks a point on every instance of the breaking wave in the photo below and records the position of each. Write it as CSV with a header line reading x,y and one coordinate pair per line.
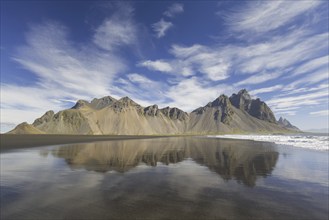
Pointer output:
x,y
310,141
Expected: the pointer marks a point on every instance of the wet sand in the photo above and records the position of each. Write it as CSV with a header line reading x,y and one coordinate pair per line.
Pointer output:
x,y
16,141
162,178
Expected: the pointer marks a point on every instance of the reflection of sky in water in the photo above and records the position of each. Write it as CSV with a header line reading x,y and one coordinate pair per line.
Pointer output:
x,y
303,165
120,180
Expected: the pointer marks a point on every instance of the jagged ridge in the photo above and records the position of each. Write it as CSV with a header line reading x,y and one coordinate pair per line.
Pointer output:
x,y
238,113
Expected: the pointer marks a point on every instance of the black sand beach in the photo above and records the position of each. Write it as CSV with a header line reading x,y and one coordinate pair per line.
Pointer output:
x,y
16,141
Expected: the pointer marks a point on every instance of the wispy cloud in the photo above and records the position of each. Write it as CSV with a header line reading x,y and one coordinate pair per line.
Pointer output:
x,y
138,78
283,104
263,60
320,113
194,92
174,9
141,89
218,71
303,90
258,78
4,127
289,113
311,65
113,33
190,60
161,27
65,70
185,52
265,16
281,52
158,65
58,64
19,103
266,90
118,30
319,76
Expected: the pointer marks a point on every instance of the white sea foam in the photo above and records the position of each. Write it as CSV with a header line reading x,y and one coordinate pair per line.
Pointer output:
x,y
309,141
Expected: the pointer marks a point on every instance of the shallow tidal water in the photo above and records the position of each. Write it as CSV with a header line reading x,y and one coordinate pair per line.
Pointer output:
x,y
167,178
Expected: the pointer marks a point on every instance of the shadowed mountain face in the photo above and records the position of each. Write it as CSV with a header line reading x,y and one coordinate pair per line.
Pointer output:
x,y
243,161
238,113
254,107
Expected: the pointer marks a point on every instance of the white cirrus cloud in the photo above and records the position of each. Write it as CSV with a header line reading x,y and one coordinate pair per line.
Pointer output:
x,y
138,78
174,9
191,60
63,70
157,65
194,92
297,101
299,90
20,103
289,113
280,54
320,113
4,127
138,88
58,64
311,65
266,90
118,30
218,71
161,27
263,16
185,52
114,33
258,78
319,76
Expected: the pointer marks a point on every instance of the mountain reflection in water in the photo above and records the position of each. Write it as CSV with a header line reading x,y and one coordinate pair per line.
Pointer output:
x,y
243,161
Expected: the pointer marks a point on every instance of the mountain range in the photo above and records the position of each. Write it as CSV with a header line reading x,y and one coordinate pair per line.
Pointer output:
x,y
107,115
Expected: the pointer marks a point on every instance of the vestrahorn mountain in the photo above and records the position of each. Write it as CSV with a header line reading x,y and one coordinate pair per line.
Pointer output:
x,y
238,113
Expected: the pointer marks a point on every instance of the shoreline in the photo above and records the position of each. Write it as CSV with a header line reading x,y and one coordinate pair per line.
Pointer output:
x,y
18,141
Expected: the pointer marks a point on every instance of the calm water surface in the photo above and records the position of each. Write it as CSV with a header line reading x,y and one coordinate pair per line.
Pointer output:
x,y
169,178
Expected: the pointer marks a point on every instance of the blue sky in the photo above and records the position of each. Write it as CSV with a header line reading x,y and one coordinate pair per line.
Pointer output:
x,y
181,54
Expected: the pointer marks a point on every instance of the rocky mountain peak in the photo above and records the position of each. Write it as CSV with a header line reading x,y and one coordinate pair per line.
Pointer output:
x,y
241,100
243,92
254,107
286,124
152,110
128,101
80,103
174,113
44,119
102,102
125,103
222,100
282,120
220,108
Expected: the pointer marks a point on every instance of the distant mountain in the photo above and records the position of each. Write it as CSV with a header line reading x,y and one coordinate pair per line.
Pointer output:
x,y
238,113
319,130
286,124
